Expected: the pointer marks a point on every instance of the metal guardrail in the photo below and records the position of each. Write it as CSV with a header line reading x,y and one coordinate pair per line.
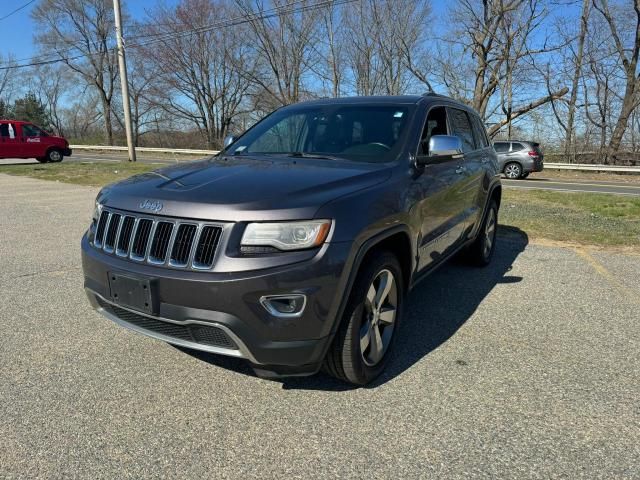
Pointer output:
x,y
185,151
591,167
181,151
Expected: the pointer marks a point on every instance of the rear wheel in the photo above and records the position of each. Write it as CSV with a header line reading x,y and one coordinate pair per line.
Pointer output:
x,y
481,250
361,347
513,170
54,155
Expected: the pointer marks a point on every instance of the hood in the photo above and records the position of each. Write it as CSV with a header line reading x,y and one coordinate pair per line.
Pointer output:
x,y
243,188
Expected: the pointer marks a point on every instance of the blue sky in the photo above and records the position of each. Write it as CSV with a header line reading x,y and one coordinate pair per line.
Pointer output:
x,y
16,32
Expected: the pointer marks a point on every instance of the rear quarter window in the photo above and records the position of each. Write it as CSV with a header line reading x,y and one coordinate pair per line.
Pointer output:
x,y
516,147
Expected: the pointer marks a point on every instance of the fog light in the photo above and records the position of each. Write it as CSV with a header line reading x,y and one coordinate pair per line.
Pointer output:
x,y
284,305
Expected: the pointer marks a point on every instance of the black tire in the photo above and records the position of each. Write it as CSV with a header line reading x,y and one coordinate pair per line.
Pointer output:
x,y
42,159
345,359
54,155
512,170
481,251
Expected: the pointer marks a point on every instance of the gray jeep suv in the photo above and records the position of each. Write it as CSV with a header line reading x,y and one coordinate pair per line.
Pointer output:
x,y
518,158
294,248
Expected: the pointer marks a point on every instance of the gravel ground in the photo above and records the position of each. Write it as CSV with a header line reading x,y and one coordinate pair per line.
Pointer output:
x,y
526,369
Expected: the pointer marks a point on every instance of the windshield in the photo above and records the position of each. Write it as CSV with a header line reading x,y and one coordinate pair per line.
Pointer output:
x,y
352,132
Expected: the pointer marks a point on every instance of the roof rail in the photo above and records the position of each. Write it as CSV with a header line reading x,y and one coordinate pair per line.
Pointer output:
x,y
432,94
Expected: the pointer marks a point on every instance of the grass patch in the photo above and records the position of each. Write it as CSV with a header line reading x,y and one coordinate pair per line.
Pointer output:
x,y
583,218
94,174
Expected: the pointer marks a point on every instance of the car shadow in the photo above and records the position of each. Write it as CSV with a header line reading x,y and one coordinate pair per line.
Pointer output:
x,y
434,311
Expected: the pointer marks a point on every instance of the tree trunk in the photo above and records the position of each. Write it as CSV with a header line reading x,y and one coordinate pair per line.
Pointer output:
x,y
106,112
570,133
628,105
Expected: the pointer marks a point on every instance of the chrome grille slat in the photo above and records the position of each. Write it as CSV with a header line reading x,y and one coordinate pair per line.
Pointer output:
x,y
160,242
183,244
123,246
110,237
152,234
106,229
101,228
207,246
141,239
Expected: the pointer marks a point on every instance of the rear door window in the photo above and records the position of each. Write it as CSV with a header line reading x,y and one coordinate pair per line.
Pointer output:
x,y
461,126
501,147
479,132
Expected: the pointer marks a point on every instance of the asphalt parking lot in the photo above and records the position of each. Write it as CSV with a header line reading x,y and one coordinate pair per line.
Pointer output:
x,y
526,369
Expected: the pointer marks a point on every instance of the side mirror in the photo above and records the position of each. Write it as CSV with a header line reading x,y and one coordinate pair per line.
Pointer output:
x,y
228,140
442,148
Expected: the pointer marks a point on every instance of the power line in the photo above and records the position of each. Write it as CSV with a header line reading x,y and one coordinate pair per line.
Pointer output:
x,y
37,61
17,10
261,15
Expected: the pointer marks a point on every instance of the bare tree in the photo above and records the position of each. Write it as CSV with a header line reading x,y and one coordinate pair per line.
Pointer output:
x,y
498,36
284,41
7,76
80,33
331,68
198,79
82,118
569,143
627,46
50,83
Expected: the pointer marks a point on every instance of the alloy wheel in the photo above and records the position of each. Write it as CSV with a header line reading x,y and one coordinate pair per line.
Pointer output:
x,y
380,309
489,232
55,156
512,171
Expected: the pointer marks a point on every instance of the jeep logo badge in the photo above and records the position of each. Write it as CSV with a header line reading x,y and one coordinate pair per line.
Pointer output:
x,y
153,205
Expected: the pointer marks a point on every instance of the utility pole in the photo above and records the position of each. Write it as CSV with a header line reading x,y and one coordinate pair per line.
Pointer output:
x,y
122,64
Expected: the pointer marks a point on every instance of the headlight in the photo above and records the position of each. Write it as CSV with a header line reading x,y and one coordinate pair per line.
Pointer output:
x,y
287,235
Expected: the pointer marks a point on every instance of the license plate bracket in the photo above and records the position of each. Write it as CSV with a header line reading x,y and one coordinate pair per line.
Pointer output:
x,y
132,292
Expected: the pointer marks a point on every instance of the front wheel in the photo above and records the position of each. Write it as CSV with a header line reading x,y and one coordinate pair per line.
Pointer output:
x,y
54,155
361,347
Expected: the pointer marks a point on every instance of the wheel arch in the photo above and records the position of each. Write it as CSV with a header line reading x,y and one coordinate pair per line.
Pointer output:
x,y
396,239
495,194
398,243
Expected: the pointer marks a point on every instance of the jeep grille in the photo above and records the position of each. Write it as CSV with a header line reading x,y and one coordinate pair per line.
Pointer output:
x,y
158,241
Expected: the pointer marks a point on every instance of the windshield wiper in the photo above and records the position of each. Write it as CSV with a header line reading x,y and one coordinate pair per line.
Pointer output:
x,y
312,155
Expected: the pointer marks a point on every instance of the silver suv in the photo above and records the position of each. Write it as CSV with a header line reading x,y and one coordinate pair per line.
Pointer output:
x,y
517,159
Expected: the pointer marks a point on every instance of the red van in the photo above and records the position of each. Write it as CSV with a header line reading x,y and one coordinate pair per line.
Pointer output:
x,y
25,140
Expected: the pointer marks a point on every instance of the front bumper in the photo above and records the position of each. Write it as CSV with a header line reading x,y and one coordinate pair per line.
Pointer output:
x,y
67,152
197,309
